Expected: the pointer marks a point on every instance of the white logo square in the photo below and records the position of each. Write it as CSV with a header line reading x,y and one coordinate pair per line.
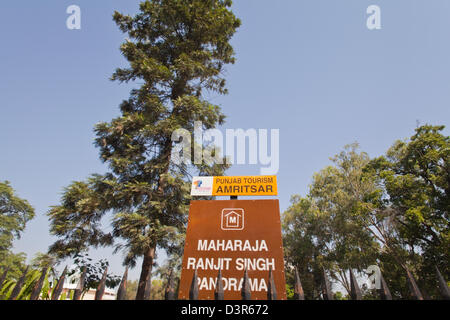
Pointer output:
x,y
232,219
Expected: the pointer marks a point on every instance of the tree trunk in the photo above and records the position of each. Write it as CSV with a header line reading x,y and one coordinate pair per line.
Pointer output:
x,y
144,285
146,274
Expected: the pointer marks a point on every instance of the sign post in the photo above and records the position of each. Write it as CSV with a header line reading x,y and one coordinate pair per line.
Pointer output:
x,y
234,236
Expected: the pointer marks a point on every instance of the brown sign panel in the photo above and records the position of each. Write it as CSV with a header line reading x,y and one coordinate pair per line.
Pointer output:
x,y
233,235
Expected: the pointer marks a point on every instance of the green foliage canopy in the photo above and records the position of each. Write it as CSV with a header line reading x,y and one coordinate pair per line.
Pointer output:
x,y
15,213
392,211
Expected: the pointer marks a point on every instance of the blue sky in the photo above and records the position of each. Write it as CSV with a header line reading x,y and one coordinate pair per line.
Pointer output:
x,y
309,68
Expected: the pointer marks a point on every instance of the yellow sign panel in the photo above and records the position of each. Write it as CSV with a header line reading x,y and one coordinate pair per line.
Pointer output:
x,y
245,186
235,186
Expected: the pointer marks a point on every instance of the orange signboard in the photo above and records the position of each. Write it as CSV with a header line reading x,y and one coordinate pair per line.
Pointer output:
x,y
233,235
235,186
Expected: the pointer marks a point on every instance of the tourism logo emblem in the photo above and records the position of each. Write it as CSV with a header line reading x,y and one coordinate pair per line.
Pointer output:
x,y
198,184
202,186
232,219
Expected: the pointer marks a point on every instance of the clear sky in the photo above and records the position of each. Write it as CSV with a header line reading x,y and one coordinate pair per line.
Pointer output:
x,y
310,68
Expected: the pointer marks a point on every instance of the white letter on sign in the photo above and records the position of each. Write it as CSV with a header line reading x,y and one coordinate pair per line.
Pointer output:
x,y
191,263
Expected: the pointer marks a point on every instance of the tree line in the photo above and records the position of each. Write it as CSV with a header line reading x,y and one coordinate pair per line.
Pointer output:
x,y
391,211
176,53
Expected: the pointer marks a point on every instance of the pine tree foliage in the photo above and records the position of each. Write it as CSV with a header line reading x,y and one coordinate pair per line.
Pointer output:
x,y
176,51
15,213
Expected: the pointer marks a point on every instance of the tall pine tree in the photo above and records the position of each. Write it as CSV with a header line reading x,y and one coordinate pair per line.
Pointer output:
x,y
176,50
